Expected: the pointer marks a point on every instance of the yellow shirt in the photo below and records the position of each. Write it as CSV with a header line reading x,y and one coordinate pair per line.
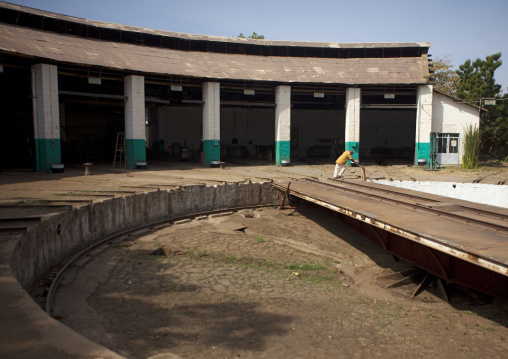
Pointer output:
x,y
342,160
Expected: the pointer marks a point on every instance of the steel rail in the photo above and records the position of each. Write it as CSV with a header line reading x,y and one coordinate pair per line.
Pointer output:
x,y
487,263
485,225
59,276
418,207
428,200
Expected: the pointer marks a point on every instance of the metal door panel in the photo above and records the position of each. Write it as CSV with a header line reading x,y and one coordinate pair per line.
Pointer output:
x,y
448,148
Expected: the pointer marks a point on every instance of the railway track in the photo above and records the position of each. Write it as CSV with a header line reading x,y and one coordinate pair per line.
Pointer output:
x,y
53,288
413,201
466,214
479,179
457,241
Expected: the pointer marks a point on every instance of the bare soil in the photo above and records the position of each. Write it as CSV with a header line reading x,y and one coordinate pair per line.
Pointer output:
x,y
267,283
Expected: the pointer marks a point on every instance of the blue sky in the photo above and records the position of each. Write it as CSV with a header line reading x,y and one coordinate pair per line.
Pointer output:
x,y
461,29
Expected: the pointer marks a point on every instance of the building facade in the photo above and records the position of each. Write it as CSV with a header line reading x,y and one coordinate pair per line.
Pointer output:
x,y
70,86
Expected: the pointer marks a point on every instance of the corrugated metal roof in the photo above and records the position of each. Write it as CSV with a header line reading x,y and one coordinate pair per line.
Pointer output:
x,y
122,56
185,36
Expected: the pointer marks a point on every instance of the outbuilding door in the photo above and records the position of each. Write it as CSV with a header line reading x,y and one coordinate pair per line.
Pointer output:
x,y
448,148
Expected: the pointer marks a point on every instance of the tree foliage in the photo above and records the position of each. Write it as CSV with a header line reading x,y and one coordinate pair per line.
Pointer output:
x,y
494,130
445,78
253,36
477,78
476,84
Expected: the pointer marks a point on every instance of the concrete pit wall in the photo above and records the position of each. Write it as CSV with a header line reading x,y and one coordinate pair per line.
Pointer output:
x,y
53,240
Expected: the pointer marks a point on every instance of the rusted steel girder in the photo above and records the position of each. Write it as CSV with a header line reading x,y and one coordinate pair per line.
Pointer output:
x,y
441,264
452,264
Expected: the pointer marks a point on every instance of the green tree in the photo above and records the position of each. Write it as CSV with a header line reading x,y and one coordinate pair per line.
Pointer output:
x,y
477,79
445,78
253,36
476,83
494,130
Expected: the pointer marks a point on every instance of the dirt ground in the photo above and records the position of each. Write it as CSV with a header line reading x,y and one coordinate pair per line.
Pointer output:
x,y
72,185
262,283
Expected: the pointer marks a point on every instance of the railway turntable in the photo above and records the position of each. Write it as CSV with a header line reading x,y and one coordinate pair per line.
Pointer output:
x,y
457,241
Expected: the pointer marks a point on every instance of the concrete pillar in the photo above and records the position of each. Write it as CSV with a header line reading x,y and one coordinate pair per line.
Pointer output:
x,y
211,123
282,125
353,99
135,147
46,116
423,122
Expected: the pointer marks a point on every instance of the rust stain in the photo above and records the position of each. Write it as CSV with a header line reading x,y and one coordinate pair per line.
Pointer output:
x,y
409,247
472,257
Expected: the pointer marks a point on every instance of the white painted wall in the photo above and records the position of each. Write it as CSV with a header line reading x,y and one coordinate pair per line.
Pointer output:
x,y
134,89
353,101
46,93
453,117
211,111
283,113
424,113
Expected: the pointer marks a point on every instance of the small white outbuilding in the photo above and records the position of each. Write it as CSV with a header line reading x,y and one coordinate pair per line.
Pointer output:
x,y
450,119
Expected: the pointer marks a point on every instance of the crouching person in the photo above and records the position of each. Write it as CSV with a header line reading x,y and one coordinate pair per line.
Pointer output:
x,y
340,163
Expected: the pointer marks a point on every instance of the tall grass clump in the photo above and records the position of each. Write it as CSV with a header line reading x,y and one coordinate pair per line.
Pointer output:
x,y
471,147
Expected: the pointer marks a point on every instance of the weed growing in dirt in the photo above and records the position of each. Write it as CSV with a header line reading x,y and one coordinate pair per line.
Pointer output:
x,y
386,315
308,267
224,258
259,239
310,272
196,253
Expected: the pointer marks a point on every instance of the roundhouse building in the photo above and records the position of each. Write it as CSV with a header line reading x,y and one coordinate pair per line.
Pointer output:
x,y
77,90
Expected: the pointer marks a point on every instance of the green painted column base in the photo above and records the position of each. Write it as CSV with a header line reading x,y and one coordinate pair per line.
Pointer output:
x,y
135,151
48,152
211,152
353,146
422,151
282,152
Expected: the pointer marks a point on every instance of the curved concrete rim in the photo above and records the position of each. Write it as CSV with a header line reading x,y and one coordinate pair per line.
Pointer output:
x,y
26,330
